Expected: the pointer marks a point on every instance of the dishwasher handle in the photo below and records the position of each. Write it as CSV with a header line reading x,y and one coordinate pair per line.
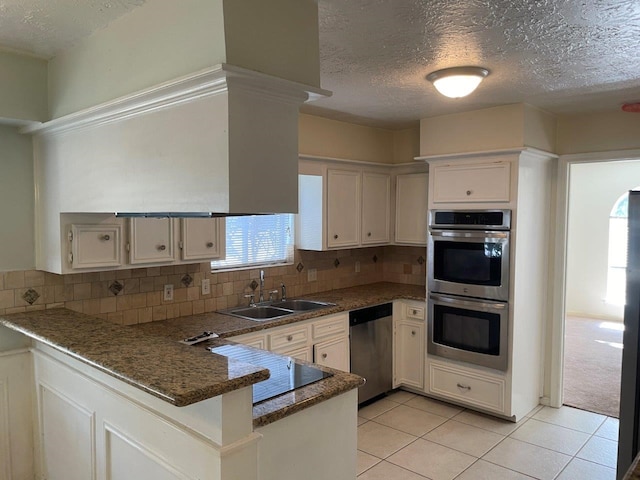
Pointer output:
x,y
370,314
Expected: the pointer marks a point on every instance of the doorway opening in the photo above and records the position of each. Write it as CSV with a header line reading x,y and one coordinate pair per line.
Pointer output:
x,y
595,283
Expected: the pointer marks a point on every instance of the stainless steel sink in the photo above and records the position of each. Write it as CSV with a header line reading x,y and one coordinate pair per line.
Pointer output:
x,y
302,305
259,313
262,312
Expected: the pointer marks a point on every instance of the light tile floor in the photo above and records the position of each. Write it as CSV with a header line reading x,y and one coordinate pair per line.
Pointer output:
x,y
409,437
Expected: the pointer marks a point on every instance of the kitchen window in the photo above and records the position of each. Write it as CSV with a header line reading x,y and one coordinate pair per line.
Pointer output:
x,y
257,240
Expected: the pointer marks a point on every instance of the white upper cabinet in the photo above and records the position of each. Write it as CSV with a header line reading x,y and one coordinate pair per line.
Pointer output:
x,y
411,209
478,182
343,208
95,246
376,197
151,240
202,238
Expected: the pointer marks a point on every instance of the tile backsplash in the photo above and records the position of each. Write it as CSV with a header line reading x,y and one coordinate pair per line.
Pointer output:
x,y
135,296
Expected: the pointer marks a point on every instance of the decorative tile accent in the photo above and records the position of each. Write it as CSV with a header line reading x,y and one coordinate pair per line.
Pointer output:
x,y
253,285
300,267
375,258
30,296
186,280
116,287
420,259
336,262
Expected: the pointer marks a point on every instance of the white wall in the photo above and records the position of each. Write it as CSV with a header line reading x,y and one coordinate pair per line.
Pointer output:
x,y
593,190
16,201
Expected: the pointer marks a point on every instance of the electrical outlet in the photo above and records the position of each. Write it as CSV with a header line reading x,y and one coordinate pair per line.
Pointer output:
x,y
206,286
168,293
312,275
358,267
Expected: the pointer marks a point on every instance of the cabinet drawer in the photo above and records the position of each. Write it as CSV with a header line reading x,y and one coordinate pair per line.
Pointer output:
x,y
288,338
416,313
482,182
473,388
256,340
331,326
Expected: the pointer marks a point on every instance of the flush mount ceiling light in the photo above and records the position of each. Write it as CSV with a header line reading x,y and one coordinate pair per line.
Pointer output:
x,y
457,82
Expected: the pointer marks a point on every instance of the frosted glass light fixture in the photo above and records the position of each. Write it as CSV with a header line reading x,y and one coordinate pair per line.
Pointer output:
x,y
457,82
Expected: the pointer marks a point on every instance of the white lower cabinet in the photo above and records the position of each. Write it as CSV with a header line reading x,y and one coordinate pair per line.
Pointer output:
x,y
409,344
322,340
464,385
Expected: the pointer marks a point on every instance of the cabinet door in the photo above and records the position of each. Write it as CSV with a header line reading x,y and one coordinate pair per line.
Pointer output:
x,y
411,208
343,208
409,353
151,240
478,182
333,353
202,238
376,196
95,246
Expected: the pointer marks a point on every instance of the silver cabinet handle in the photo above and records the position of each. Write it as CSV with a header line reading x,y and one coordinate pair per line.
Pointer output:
x,y
209,244
335,236
413,333
289,338
369,234
469,192
162,248
324,355
463,387
106,238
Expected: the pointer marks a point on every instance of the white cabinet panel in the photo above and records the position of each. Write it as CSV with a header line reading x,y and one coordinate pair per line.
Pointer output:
x,y
473,182
376,198
151,240
287,338
95,246
202,238
411,208
343,208
409,348
333,353
68,431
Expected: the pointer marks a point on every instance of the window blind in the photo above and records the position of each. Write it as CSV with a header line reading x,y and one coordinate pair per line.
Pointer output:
x,y
257,240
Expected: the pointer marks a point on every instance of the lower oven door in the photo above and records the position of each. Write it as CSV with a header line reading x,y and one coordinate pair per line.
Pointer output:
x,y
469,330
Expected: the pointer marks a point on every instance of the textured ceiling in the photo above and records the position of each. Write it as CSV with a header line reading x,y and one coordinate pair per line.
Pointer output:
x,y
44,27
564,56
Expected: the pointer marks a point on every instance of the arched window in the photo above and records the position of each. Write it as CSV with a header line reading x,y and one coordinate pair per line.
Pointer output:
x,y
616,275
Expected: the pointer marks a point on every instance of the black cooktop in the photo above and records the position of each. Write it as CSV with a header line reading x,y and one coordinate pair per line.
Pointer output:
x,y
286,373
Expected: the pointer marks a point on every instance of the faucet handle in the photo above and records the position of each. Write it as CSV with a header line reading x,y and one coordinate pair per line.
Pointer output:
x,y
272,293
252,301
284,292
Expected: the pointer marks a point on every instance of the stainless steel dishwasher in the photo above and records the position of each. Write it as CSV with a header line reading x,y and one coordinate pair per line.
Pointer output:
x,y
371,332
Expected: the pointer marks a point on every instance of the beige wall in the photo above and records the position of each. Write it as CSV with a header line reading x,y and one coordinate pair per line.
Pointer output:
x,y
594,188
23,87
598,132
16,201
504,127
324,137
141,301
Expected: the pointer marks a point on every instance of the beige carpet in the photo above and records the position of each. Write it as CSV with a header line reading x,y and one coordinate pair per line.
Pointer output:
x,y
592,365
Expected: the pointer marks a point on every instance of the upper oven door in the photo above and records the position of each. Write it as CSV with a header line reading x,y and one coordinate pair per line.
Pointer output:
x,y
470,263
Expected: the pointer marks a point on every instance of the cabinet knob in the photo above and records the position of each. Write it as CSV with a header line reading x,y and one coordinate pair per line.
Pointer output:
x,y
335,236
162,248
469,192
106,238
209,244
369,234
324,355
289,338
463,387
413,333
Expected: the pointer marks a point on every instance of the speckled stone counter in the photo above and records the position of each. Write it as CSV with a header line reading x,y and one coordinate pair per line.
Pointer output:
x,y
150,357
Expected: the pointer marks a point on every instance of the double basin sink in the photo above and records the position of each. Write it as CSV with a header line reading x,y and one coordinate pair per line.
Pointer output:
x,y
273,310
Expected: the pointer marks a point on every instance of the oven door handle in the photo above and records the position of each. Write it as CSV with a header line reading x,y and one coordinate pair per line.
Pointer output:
x,y
468,302
485,235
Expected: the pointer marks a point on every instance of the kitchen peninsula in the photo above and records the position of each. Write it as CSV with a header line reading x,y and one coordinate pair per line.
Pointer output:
x,y
136,403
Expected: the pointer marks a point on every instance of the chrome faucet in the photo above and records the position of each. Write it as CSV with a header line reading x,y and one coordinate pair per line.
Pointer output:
x,y
261,286
284,292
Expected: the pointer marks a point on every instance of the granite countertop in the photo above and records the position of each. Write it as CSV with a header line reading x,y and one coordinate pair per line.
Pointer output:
x,y
150,357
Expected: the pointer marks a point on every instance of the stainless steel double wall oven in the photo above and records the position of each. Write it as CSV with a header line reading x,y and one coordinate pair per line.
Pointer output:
x,y
468,280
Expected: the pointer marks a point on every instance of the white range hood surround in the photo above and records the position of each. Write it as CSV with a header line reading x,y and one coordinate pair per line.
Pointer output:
x,y
223,140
